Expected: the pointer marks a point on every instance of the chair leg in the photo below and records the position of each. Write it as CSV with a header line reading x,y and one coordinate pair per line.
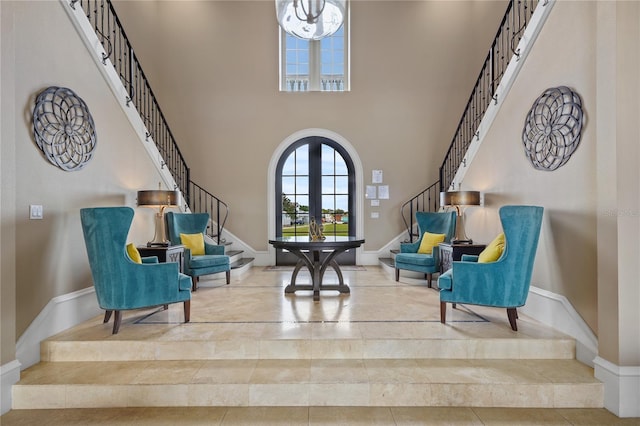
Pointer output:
x,y
187,310
228,277
512,313
107,316
429,276
194,283
397,274
443,312
117,319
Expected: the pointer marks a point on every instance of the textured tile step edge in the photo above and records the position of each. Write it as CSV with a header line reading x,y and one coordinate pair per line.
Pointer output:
x,y
551,395
123,350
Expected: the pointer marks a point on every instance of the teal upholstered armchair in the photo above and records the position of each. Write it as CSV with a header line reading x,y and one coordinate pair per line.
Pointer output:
x,y
505,282
120,283
213,260
409,258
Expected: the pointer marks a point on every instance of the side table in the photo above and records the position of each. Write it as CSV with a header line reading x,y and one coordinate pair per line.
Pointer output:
x,y
164,253
453,252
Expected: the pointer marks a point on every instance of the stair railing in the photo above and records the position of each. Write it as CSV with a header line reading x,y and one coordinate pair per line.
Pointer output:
x,y
510,31
106,24
503,49
428,200
204,202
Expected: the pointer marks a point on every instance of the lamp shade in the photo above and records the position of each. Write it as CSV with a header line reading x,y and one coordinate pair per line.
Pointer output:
x,y
460,198
158,197
310,19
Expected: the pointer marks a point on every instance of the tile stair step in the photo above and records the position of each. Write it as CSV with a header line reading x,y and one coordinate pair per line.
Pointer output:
x,y
320,382
386,262
283,348
239,263
234,255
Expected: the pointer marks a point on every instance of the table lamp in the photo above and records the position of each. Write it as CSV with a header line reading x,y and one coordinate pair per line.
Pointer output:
x,y
459,199
161,199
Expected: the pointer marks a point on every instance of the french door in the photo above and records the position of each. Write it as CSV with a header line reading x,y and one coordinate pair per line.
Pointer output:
x,y
315,180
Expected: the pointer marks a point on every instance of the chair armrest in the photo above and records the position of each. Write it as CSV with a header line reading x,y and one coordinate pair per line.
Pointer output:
x,y
469,258
213,249
483,284
435,252
150,259
147,285
409,247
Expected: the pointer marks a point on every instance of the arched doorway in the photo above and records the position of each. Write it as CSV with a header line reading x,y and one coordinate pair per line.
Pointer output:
x,y
315,175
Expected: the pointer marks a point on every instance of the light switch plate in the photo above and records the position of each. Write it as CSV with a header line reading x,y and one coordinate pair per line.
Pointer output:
x,y
36,211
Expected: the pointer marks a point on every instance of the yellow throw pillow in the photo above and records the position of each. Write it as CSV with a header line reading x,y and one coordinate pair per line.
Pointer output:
x,y
493,251
133,253
194,242
429,241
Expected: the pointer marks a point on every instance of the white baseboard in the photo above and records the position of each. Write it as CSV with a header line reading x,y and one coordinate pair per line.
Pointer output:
x,y
9,376
556,311
621,387
61,313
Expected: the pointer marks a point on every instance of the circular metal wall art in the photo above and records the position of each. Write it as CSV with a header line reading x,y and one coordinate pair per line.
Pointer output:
x,y
64,128
552,128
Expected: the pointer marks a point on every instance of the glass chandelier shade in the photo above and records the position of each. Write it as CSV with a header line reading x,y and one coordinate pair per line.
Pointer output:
x,y
310,19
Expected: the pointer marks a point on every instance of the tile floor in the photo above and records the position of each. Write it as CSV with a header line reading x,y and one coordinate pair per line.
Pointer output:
x,y
254,310
250,416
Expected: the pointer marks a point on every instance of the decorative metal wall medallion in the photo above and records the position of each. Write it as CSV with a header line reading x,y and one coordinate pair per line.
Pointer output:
x,y
552,128
64,128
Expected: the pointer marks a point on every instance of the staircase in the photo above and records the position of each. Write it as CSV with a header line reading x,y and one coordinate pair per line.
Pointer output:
x,y
516,34
98,24
249,345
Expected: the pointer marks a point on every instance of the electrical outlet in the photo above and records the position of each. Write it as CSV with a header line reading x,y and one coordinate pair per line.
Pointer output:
x,y
36,211
375,215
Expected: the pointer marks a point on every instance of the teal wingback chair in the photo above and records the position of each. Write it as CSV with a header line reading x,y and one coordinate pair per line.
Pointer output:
x,y
212,262
120,283
505,282
410,259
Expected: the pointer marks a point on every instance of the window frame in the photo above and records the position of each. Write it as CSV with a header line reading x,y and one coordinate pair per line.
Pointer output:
x,y
315,190
315,65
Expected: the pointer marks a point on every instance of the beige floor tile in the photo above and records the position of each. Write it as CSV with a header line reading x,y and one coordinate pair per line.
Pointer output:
x,y
251,416
339,394
519,417
595,416
400,394
221,394
338,371
279,394
434,416
225,371
350,416
272,371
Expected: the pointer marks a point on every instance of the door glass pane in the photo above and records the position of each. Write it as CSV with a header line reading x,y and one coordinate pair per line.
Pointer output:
x,y
302,160
341,166
302,185
288,185
342,184
328,184
328,160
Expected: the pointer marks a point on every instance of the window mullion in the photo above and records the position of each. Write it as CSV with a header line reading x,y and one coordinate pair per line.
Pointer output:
x,y
314,65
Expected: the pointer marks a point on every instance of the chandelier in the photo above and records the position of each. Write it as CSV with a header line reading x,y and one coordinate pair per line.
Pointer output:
x,y
310,19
